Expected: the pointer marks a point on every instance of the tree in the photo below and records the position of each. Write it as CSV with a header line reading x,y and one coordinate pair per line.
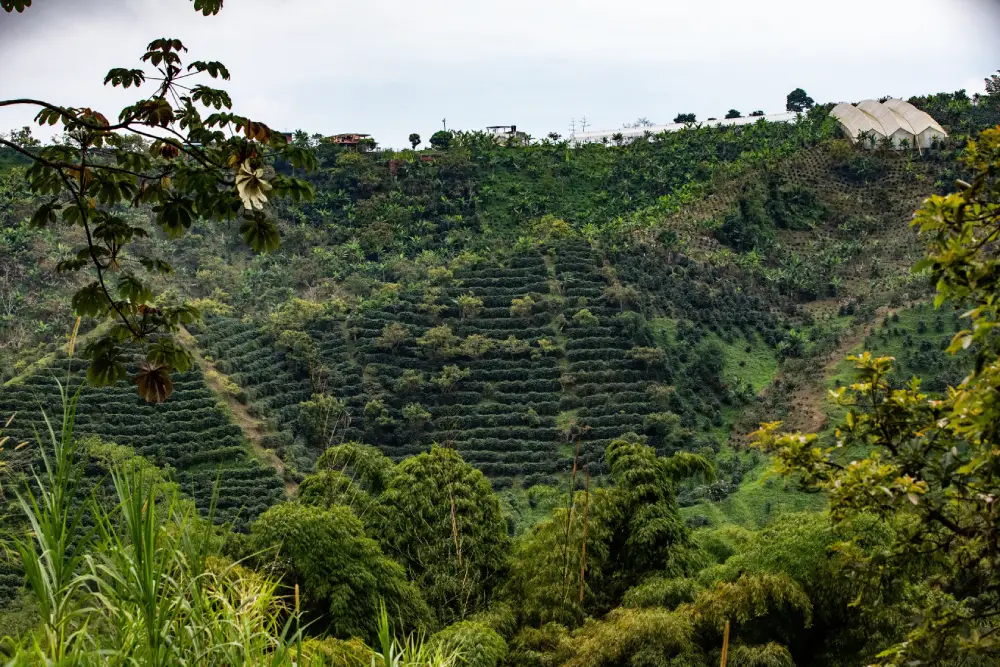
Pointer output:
x,y
416,416
522,306
733,113
993,84
450,377
300,348
23,138
410,382
798,101
625,295
685,118
321,416
444,523
186,166
469,305
554,136
376,414
585,318
748,225
475,346
441,139
649,536
930,475
341,572
414,140
393,335
757,113
438,341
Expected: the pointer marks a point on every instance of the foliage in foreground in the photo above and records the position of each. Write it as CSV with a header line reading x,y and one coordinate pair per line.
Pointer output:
x,y
930,471
141,580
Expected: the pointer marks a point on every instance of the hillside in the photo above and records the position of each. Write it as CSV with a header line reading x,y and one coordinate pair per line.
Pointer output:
x,y
494,400
516,333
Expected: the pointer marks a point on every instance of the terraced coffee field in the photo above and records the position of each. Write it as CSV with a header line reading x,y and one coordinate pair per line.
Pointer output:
x,y
190,434
527,381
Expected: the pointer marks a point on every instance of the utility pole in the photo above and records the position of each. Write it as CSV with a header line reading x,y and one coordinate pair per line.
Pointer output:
x,y
572,126
444,122
583,124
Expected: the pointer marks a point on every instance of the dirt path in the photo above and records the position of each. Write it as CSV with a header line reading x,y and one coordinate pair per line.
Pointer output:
x,y
252,427
808,400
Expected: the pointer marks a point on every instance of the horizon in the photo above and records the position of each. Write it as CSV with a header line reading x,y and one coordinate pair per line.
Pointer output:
x,y
555,64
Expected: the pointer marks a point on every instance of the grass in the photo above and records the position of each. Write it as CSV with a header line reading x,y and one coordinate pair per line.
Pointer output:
x,y
761,498
753,361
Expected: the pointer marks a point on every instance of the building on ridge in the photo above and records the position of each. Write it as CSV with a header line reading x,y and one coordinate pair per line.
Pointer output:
x,y
628,134
348,139
895,121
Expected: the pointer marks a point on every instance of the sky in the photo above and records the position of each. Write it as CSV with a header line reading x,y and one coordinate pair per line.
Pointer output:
x,y
392,67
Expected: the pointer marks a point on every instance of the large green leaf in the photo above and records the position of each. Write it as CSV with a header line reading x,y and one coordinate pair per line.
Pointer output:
x,y
167,352
125,77
107,366
90,301
175,216
133,289
261,234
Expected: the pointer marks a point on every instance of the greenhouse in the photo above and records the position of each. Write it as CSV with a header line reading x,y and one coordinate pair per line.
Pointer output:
x,y
625,135
893,120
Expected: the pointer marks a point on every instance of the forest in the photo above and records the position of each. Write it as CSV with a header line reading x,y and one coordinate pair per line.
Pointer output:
x,y
723,395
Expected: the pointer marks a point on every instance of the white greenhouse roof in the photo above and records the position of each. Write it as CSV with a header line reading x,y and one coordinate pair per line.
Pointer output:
x,y
600,136
856,121
918,120
885,117
893,118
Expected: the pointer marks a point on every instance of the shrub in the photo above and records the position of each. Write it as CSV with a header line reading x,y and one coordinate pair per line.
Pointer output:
x,y
438,341
478,644
585,318
522,306
393,335
450,377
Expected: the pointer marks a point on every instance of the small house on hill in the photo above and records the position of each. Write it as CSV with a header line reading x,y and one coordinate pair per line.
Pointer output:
x,y
347,139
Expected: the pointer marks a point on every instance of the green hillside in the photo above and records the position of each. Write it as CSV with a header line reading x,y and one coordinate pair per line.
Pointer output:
x,y
191,437
515,301
497,398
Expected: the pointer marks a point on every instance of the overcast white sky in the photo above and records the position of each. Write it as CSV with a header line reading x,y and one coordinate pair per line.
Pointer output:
x,y
391,67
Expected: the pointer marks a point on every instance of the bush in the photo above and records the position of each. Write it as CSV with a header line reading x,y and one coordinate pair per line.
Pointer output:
x,y
585,318
478,644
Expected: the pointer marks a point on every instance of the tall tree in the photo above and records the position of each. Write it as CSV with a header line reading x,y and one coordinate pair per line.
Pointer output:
x,y
180,152
441,139
414,140
444,523
798,101
343,573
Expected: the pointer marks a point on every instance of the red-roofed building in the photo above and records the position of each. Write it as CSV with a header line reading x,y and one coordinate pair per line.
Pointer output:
x,y
347,139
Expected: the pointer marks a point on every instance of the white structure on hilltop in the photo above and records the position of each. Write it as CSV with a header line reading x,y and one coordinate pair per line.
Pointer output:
x,y
506,133
630,133
898,121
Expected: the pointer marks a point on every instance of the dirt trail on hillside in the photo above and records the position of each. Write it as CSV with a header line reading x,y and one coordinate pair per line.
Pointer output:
x,y
252,427
806,413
